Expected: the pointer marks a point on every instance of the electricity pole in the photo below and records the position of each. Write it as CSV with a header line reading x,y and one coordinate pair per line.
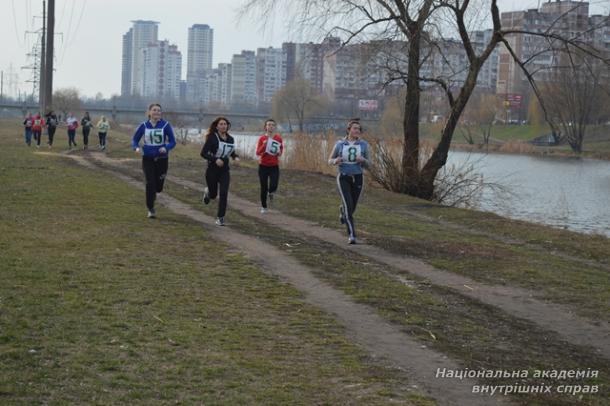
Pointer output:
x,y
41,87
48,95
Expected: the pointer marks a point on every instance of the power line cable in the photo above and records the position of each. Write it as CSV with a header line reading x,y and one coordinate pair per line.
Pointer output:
x,y
80,17
63,12
15,25
67,39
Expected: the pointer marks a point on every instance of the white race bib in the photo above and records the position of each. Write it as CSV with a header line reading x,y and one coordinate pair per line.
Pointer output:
x,y
153,136
350,153
273,147
224,149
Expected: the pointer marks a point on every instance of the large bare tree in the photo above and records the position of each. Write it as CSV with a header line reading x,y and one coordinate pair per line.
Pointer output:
x,y
573,96
420,25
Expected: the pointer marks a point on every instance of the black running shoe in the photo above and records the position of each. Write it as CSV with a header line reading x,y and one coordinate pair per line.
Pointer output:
x,y
206,196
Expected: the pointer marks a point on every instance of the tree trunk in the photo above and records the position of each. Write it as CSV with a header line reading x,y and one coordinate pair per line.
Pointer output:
x,y
409,182
439,156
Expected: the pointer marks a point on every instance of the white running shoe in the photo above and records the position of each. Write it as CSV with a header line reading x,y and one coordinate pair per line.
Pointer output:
x,y
220,221
151,214
351,240
263,210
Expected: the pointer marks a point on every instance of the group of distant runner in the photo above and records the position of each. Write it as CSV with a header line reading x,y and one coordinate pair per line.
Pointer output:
x,y
154,138
35,124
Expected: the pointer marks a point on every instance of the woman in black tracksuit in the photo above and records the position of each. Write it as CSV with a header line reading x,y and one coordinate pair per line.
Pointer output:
x,y
218,147
350,155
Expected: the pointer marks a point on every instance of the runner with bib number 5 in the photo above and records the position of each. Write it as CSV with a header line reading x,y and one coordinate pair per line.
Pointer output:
x,y
218,147
158,138
269,148
351,154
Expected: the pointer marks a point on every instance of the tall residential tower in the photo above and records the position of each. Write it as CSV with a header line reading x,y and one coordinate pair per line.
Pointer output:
x,y
199,62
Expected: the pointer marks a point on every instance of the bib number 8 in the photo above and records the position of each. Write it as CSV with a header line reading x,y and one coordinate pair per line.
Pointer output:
x,y
352,154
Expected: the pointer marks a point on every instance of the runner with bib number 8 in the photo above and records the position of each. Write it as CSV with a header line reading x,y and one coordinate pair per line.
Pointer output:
x,y
351,154
218,147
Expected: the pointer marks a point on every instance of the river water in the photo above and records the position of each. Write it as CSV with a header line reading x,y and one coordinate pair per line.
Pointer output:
x,y
562,192
566,193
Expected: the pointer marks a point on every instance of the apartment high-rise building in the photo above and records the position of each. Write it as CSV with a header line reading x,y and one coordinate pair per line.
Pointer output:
x,y
126,63
270,72
566,18
488,75
243,78
142,33
162,68
199,60
305,61
225,70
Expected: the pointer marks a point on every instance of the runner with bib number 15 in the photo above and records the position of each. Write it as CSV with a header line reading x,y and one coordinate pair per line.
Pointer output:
x,y
158,137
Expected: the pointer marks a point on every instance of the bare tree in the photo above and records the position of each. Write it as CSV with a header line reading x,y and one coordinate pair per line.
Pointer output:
x,y
572,96
296,100
66,100
478,117
420,26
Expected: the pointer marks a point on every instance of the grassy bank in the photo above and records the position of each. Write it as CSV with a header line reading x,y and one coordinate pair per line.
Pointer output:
x,y
99,305
483,246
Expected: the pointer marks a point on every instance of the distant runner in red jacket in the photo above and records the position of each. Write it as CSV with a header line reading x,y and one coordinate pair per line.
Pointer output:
x,y
269,148
37,124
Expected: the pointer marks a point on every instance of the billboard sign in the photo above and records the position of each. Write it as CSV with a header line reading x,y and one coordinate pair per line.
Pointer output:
x,y
513,100
367,105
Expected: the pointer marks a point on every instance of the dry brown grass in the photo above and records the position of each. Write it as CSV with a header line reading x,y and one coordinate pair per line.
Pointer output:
x,y
517,147
310,152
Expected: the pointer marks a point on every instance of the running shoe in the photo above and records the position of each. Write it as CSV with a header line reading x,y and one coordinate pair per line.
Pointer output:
x,y
351,240
206,196
220,221
263,210
151,214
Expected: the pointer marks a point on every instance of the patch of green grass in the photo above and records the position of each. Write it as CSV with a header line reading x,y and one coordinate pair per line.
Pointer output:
x,y
100,305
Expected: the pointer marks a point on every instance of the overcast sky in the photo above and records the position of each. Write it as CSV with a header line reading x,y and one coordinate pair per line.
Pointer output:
x,y
88,51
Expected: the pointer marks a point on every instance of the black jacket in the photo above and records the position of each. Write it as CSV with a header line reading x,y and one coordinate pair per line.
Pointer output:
x,y
210,149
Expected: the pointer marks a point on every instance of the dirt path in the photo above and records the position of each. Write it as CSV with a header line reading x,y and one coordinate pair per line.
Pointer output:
x,y
516,301
362,323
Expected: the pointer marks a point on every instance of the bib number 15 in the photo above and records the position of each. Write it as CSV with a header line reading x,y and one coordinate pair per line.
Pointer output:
x,y
156,136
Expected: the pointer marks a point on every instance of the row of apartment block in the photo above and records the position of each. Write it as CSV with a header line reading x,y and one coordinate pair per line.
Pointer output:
x,y
152,68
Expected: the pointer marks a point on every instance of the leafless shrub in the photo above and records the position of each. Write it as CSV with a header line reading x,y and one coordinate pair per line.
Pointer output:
x,y
459,185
